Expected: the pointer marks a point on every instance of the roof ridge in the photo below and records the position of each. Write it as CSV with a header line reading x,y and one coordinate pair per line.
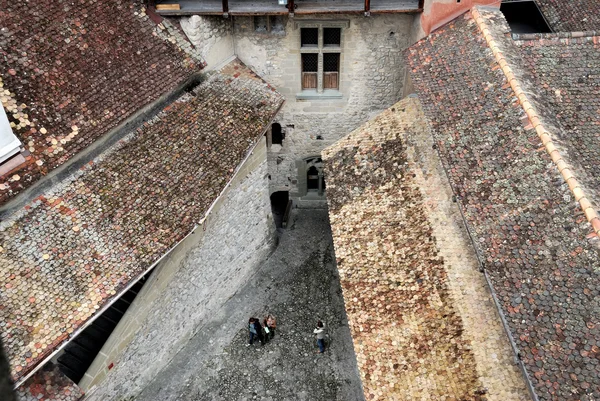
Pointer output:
x,y
535,119
554,37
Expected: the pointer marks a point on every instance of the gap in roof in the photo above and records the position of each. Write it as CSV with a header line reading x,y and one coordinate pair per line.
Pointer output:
x,y
524,17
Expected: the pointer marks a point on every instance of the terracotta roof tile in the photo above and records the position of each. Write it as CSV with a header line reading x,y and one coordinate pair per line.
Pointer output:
x,y
412,330
567,16
71,71
49,384
70,251
529,231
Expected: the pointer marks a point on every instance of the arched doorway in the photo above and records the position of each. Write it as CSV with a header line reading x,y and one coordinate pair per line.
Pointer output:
x,y
312,179
315,180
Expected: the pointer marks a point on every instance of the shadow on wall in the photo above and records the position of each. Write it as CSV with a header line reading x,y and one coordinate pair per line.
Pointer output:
x,y
6,385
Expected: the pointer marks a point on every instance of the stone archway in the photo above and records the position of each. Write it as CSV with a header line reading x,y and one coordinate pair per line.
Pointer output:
x,y
315,179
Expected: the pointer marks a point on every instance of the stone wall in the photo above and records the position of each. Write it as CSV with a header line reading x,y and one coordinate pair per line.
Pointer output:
x,y
190,284
371,79
211,37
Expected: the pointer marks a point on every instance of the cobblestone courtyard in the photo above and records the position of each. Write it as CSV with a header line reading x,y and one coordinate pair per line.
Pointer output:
x,y
299,284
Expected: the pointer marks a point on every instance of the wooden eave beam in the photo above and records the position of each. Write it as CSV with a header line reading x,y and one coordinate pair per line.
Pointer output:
x,y
225,8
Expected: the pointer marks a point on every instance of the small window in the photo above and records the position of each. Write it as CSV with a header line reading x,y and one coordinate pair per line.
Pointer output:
x,y
261,24
310,62
332,36
320,50
277,23
309,37
9,143
331,68
269,24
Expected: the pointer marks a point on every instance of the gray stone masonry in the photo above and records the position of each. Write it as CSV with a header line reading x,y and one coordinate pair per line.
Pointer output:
x,y
236,240
372,74
371,77
299,284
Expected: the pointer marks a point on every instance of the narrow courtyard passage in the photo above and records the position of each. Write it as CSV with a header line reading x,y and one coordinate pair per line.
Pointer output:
x,y
299,284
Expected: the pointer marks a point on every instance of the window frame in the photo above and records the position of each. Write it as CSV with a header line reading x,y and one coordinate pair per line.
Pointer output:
x,y
320,50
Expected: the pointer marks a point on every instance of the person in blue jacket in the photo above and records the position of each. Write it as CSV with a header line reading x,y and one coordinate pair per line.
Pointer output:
x,y
255,330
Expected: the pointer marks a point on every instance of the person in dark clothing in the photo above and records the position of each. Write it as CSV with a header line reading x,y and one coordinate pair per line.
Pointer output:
x,y
255,330
259,331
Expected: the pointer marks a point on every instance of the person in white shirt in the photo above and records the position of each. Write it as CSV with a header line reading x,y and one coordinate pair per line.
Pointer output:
x,y
320,331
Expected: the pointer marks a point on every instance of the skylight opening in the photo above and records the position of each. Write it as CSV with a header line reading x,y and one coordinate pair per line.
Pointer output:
x,y
524,17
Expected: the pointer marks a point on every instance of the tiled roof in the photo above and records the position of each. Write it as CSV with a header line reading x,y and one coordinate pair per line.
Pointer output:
x,y
528,228
69,252
71,71
571,16
49,384
565,74
408,326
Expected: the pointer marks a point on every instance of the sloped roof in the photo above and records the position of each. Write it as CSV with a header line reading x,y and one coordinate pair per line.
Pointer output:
x,y
71,71
571,15
564,72
518,184
49,384
68,253
413,329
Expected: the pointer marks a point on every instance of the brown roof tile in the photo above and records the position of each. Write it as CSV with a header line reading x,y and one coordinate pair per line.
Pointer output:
x,y
65,255
567,16
413,330
530,232
71,71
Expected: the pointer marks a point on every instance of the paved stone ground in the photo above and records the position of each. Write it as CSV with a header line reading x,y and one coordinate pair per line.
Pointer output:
x,y
299,284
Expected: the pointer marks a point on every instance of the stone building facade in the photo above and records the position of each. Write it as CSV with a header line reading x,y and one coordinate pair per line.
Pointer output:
x,y
371,77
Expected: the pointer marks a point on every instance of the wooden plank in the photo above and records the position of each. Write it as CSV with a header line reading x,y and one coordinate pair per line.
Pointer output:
x,y
309,80
330,80
169,7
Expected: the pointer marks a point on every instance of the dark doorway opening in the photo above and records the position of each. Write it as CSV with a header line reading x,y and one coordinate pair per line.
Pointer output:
x,y
524,17
79,354
276,134
279,204
312,179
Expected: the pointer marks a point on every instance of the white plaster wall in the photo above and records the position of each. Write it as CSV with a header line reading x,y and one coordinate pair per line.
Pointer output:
x,y
190,284
212,37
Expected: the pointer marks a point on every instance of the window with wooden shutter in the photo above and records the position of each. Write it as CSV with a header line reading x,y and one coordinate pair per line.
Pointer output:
x,y
310,67
331,69
321,59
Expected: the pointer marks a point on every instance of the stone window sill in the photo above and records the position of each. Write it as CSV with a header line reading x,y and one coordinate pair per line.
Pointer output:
x,y
314,95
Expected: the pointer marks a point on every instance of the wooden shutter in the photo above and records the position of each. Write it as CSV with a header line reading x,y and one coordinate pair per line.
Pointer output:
x,y
309,80
330,80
